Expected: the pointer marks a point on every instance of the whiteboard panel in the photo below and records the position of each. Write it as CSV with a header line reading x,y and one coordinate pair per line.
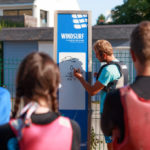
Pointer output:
x,y
71,92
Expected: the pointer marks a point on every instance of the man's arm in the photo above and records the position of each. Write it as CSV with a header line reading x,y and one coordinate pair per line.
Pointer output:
x,y
91,89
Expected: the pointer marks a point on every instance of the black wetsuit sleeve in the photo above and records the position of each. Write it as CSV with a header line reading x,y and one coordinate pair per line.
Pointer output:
x,y
112,116
5,135
76,135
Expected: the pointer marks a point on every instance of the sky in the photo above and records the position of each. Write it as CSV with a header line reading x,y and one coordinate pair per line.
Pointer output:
x,y
98,7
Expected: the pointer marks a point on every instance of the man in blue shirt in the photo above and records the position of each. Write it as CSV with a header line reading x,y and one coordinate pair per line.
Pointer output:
x,y
110,73
5,106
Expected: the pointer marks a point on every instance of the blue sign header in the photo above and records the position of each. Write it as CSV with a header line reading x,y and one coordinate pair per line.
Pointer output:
x,y
72,32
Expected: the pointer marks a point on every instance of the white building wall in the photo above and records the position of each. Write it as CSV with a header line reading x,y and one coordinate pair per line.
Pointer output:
x,y
46,47
51,6
36,14
48,5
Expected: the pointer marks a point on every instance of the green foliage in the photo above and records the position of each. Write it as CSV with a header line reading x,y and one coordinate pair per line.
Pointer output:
x,y
100,20
8,24
94,140
131,12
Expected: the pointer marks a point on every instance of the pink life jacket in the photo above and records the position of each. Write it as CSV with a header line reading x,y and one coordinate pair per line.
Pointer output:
x,y
56,135
137,122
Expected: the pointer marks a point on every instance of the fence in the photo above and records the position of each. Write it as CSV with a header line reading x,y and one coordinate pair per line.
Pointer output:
x,y
8,69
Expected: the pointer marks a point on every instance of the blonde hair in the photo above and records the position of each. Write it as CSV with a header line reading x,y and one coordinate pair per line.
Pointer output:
x,y
103,46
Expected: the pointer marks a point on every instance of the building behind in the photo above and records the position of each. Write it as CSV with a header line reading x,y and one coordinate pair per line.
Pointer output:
x,y
42,10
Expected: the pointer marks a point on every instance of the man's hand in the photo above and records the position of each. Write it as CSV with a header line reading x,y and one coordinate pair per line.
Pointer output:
x,y
91,89
77,73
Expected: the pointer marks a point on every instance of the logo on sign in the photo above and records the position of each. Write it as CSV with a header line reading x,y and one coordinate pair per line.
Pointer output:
x,y
79,21
78,36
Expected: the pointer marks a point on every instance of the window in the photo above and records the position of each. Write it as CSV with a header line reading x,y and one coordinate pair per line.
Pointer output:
x,y
10,12
43,18
26,12
18,12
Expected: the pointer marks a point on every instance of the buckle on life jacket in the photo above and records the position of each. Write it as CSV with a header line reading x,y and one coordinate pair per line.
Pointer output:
x,y
27,122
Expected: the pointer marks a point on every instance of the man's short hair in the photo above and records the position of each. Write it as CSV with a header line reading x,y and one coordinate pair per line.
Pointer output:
x,y
103,46
140,41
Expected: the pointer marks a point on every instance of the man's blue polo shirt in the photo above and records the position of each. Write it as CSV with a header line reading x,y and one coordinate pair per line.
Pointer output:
x,y
108,74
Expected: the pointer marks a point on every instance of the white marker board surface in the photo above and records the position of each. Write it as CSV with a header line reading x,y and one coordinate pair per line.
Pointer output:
x,y
71,92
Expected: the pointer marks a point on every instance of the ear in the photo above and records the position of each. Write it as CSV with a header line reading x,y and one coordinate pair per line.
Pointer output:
x,y
133,55
104,56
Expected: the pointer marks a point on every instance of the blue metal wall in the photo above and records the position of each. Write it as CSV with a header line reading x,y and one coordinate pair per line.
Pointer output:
x,y
13,53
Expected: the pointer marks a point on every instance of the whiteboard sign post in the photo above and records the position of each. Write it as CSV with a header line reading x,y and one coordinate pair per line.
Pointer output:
x,y
72,49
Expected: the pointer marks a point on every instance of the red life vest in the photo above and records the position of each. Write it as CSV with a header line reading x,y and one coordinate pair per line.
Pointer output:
x,y
56,135
137,122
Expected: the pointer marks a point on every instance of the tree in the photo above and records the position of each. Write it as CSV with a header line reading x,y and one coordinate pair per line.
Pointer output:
x,y
101,19
131,12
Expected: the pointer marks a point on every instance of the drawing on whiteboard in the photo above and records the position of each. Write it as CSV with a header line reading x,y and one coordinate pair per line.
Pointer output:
x,y
67,65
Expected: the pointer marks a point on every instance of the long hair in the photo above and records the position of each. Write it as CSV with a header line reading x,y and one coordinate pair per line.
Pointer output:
x,y
38,77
